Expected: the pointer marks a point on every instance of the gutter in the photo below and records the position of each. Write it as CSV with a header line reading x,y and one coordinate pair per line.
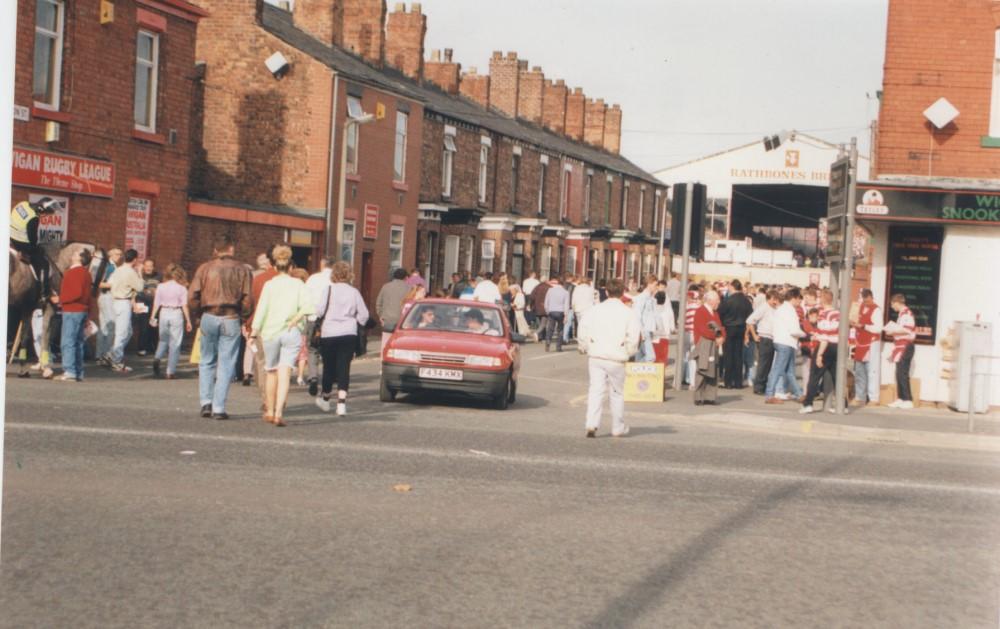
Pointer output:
x,y
329,176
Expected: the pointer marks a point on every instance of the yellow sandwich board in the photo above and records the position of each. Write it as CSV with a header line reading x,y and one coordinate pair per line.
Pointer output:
x,y
644,382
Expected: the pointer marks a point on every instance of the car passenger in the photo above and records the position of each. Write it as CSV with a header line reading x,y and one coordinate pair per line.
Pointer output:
x,y
427,318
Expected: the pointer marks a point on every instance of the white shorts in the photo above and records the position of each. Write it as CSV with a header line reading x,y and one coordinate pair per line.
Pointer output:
x,y
282,350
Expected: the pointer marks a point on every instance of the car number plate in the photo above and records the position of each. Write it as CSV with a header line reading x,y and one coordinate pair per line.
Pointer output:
x,y
440,374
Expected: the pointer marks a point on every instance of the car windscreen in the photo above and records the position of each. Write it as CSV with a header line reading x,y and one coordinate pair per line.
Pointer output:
x,y
464,318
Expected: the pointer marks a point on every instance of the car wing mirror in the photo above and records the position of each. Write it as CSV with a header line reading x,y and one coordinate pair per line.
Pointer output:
x,y
518,338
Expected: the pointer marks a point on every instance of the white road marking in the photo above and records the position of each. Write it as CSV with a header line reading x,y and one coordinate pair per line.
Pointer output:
x,y
550,355
556,380
540,461
480,453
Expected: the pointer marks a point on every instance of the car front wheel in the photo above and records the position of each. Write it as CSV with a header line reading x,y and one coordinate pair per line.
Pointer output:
x,y
506,396
385,394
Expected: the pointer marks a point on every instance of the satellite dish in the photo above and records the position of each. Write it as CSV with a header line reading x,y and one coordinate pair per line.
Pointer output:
x,y
941,113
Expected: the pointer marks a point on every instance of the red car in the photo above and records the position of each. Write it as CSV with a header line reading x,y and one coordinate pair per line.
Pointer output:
x,y
452,346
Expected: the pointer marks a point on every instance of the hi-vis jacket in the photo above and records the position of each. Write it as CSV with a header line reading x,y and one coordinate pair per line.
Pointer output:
x,y
20,224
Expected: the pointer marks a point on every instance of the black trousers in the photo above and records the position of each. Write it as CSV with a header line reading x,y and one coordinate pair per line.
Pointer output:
x,y
765,357
732,357
818,374
554,322
903,391
337,353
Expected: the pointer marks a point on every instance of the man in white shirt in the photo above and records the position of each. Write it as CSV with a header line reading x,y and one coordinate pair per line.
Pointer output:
x,y
674,294
583,297
486,290
530,284
317,286
787,332
609,335
760,327
867,352
125,286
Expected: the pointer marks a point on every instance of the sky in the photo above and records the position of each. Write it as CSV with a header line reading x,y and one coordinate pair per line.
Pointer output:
x,y
693,77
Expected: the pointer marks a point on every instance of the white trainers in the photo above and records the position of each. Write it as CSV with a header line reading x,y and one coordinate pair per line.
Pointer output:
x,y
622,433
341,408
905,404
783,396
324,405
805,410
894,403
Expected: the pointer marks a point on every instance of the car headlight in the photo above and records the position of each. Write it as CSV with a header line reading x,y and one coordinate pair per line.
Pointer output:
x,y
407,355
482,361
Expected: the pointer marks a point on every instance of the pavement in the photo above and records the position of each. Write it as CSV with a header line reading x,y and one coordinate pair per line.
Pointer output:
x,y
123,508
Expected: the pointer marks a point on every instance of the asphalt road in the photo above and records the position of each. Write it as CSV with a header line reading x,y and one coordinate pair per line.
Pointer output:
x,y
122,508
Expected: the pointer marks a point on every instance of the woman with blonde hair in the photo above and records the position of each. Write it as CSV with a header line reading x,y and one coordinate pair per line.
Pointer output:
x,y
279,321
416,293
340,314
171,315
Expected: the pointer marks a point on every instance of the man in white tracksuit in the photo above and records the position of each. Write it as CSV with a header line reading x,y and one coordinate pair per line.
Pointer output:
x,y
609,335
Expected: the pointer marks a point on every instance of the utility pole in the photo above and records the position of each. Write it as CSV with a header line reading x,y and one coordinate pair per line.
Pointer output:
x,y
679,363
844,284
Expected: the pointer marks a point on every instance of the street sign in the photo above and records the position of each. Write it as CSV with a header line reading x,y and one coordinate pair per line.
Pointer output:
x,y
837,197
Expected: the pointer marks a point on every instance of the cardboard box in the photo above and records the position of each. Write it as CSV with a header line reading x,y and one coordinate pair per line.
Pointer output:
x,y
887,393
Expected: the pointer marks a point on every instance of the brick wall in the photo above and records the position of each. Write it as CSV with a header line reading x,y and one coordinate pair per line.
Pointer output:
x,y
443,72
613,129
938,48
576,106
505,75
554,105
364,29
404,39
476,87
251,240
96,111
593,129
530,92
322,19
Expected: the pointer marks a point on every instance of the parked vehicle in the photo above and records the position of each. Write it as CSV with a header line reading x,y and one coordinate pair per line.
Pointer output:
x,y
452,346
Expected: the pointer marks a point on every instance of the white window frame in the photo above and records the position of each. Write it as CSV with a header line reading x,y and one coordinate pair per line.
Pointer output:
x,y
503,256
588,189
571,259
350,227
642,204
469,253
656,211
543,169
545,264
399,149
55,78
448,163
625,188
353,134
995,102
515,178
484,160
396,250
567,181
487,254
153,67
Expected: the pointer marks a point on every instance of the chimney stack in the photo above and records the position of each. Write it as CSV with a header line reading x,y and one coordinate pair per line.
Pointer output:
x,y
529,105
443,73
505,73
593,127
404,39
613,130
475,86
322,19
576,105
554,105
363,27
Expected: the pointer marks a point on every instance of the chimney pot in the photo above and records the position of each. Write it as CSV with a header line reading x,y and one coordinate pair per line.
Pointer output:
x,y
447,54
512,55
400,7
472,70
436,55
416,7
578,90
560,82
536,69
522,64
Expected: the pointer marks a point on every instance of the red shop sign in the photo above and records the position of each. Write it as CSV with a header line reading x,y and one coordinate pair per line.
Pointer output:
x,y
64,173
371,222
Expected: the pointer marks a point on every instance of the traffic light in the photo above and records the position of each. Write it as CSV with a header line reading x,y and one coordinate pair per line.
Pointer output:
x,y
699,198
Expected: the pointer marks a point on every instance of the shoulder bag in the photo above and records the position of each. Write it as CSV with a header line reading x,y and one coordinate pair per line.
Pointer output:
x,y
317,333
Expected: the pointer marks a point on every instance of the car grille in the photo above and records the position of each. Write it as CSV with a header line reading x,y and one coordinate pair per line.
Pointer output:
x,y
446,359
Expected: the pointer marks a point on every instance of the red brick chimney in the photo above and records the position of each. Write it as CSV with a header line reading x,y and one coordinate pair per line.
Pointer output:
x,y
404,39
613,130
443,73
593,125
475,86
322,19
505,74
554,105
576,106
529,102
364,29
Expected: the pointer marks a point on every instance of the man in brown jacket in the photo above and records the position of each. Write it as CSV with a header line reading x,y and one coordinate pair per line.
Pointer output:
x,y
220,295
537,298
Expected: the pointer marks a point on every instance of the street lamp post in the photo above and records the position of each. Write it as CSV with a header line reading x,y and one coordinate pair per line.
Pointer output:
x,y
342,185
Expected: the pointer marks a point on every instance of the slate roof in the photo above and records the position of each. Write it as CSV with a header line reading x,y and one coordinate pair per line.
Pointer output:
x,y
279,23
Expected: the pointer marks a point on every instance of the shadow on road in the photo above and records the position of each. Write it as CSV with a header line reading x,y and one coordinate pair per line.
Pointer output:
x,y
641,597
523,403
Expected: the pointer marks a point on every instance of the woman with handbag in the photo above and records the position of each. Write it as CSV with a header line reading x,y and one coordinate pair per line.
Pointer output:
x,y
279,321
341,312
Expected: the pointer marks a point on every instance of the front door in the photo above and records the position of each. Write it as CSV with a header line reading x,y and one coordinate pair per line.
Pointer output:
x,y
450,256
367,279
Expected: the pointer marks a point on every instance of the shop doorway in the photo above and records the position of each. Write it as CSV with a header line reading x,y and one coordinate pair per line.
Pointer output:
x,y
367,279
451,244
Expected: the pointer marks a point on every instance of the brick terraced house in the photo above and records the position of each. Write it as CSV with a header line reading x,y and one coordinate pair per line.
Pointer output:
x,y
103,119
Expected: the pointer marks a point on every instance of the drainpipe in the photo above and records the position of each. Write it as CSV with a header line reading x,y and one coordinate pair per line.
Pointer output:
x,y
329,178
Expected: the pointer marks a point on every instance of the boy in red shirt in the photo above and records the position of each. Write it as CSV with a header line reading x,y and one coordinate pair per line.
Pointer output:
x,y
74,297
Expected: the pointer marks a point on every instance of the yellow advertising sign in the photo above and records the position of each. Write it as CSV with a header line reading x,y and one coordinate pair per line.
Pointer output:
x,y
644,382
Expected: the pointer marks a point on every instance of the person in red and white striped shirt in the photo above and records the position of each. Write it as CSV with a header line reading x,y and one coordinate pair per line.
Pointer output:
x,y
824,359
903,332
693,303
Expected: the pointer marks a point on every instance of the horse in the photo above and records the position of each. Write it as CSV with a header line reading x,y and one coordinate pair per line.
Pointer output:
x,y
24,297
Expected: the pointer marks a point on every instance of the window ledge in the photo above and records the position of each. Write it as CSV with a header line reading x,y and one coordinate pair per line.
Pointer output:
x,y
989,142
145,136
401,186
50,114
356,178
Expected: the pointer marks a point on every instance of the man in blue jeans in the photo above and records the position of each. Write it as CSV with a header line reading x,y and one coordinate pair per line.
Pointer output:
x,y
220,294
787,332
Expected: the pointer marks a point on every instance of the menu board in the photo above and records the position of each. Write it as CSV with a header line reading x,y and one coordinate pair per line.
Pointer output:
x,y
915,271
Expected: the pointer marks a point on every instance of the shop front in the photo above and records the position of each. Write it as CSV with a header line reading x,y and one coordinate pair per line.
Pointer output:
x,y
939,245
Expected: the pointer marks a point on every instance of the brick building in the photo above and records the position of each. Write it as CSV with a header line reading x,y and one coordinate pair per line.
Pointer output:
x,y
268,162
932,209
103,119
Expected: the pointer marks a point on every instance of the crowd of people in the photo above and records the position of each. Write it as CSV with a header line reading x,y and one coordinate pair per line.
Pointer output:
x,y
277,324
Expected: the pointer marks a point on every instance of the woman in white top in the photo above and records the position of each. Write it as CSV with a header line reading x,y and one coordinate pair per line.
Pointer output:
x,y
341,312
518,303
